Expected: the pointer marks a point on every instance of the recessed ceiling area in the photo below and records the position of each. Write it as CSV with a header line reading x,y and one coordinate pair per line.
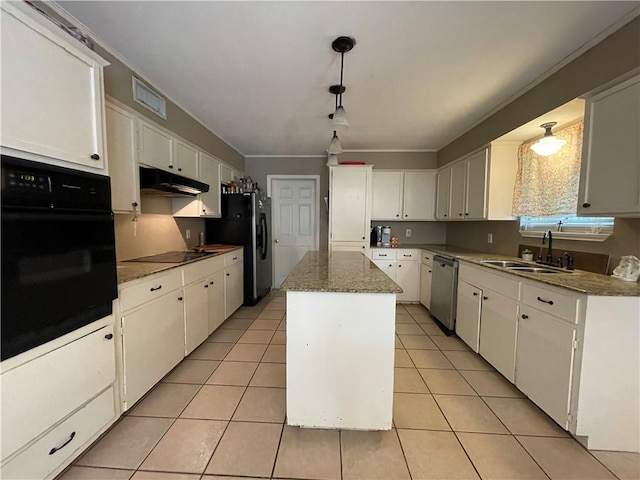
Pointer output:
x,y
564,115
422,73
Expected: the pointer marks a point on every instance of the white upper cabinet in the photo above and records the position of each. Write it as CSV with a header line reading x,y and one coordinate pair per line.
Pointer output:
x,y
479,186
155,147
386,202
210,174
186,160
123,169
610,173
443,193
350,203
52,92
226,174
403,195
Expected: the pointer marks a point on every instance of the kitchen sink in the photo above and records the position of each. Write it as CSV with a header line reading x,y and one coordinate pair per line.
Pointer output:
x,y
537,270
505,263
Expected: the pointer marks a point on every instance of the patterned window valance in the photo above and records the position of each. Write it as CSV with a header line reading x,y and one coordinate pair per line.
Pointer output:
x,y
548,186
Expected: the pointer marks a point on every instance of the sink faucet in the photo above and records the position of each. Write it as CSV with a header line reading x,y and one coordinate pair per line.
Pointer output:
x,y
550,249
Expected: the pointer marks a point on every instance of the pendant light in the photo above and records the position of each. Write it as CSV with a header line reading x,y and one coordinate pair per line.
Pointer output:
x,y
335,147
549,144
341,45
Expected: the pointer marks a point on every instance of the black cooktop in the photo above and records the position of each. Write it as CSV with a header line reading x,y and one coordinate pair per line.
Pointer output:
x,y
171,257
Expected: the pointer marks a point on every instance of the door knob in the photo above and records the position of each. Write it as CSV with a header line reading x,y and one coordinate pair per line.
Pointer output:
x,y
276,240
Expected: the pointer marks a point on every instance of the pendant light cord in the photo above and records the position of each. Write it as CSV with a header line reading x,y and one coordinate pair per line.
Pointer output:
x,y
341,70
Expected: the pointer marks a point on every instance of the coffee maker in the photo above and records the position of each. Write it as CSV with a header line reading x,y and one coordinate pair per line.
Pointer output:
x,y
376,236
386,236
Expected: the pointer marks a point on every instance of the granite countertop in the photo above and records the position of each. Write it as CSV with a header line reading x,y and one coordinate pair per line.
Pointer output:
x,y
127,271
576,280
338,272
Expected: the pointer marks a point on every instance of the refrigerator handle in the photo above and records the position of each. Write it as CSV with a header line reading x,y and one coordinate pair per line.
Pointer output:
x,y
264,235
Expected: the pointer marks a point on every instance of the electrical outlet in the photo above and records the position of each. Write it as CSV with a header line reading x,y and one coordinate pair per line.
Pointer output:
x,y
407,233
187,233
489,237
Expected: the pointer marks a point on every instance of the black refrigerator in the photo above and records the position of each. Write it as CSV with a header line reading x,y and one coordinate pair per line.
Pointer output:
x,y
246,221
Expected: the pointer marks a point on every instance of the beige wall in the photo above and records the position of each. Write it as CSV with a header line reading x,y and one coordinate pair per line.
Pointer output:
x,y
624,241
401,160
616,55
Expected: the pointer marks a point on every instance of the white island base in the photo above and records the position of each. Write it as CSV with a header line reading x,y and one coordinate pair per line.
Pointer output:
x,y
340,358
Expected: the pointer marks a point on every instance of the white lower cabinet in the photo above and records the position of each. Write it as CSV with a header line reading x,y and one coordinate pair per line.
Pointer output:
x,y
60,445
499,322
196,315
55,404
468,314
153,343
545,356
426,273
403,267
215,311
233,288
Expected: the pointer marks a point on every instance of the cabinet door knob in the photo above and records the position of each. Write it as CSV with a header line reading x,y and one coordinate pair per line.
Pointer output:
x,y
524,316
228,274
206,286
211,283
459,214
95,156
363,238
180,299
363,247
134,204
179,169
586,205
109,336
406,215
399,266
445,215
397,214
170,166
485,298
475,294
466,213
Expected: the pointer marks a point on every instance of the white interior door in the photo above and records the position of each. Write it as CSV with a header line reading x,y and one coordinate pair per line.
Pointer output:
x,y
294,203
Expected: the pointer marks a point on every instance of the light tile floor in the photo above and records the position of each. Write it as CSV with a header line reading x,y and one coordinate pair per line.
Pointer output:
x,y
220,414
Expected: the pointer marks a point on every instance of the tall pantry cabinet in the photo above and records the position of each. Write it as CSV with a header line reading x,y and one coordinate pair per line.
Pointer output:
x,y
350,208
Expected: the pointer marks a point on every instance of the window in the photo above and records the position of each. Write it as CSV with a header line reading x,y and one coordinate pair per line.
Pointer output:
x,y
569,227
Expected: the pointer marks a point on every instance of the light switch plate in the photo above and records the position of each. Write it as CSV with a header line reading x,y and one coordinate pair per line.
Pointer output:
x,y
489,237
407,233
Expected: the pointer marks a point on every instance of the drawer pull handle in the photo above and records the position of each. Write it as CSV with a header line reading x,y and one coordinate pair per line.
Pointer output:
x,y
475,294
95,156
234,258
153,289
55,449
524,316
405,255
550,302
383,254
109,336
586,205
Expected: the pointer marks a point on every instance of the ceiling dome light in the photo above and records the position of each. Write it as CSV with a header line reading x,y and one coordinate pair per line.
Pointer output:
x,y
335,147
549,144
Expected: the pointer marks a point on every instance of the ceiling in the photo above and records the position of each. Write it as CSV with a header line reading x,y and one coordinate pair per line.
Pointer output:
x,y
421,74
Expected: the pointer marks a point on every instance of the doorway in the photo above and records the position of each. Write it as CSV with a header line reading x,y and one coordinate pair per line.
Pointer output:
x,y
295,213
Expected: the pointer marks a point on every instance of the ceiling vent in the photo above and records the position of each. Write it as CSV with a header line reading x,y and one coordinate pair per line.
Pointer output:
x,y
149,98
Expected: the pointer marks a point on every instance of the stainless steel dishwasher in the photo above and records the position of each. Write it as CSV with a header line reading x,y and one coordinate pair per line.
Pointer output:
x,y
444,289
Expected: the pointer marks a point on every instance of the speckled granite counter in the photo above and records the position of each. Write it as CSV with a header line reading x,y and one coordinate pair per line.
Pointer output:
x,y
338,272
128,271
577,280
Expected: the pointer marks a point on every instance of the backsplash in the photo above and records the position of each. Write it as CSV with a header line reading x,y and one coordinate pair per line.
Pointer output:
x,y
149,234
421,232
591,262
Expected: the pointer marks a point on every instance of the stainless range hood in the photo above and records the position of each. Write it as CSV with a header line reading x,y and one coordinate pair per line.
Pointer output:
x,y
154,181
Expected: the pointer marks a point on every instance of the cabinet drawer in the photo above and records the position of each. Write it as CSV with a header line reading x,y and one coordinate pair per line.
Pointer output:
x,y
483,277
406,254
40,393
383,254
551,301
233,257
50,451
427,258
197,270
153,287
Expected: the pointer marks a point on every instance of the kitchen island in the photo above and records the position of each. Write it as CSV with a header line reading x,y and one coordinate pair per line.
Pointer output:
x,y
340,342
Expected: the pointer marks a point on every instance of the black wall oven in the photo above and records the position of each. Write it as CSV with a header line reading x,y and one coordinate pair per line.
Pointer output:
x,y
58,252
